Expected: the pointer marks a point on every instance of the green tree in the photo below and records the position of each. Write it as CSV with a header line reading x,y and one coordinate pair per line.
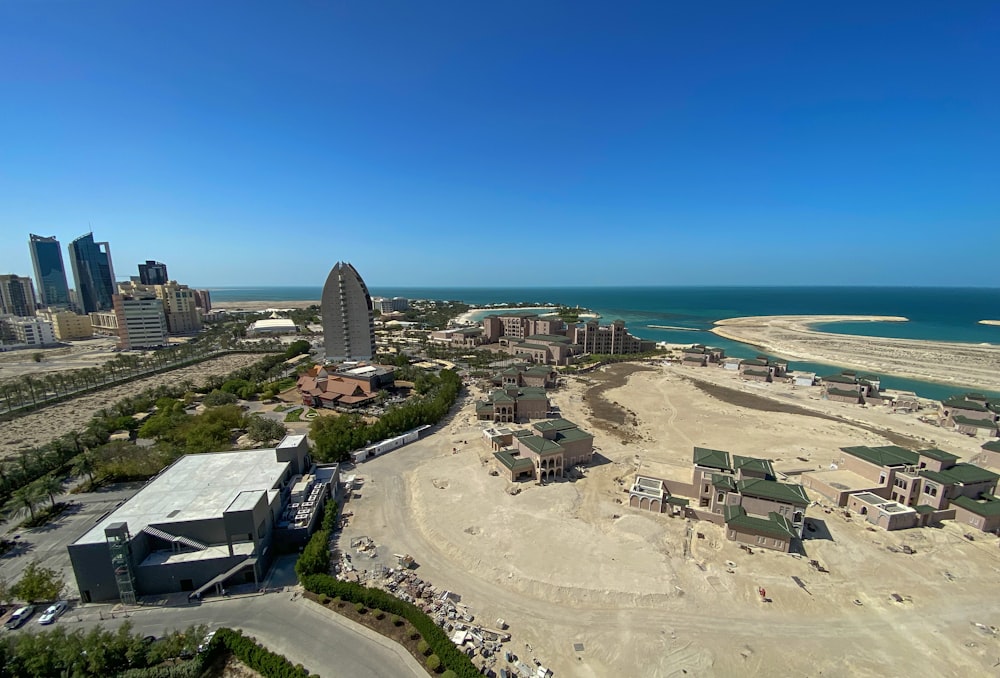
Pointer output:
x,y
24,500
261,429
85,464
217,397
38,583
51,486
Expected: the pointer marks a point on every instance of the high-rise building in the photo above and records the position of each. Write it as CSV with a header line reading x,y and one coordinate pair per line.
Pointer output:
x,y
50,273
182,315
153,273
17,296
94,273
348,324
203,300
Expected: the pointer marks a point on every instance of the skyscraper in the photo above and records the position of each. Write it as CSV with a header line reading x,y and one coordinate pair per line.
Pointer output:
x,y
153,273
94,274
17,296
50,273
348,324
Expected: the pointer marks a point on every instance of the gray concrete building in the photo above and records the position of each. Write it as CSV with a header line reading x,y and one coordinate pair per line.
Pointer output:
x,y
205,522
348,322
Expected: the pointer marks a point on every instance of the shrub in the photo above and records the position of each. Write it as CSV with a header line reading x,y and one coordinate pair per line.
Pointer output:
x,y
433,663
423,647
324,599
360,607
397,621
379,614
449,674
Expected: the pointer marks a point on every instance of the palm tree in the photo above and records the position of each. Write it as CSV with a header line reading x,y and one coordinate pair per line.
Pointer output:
x,y
51,486
23,500
86,463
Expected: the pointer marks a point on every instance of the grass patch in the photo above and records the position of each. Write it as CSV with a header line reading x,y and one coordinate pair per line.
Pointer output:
x,y
282,408
300,414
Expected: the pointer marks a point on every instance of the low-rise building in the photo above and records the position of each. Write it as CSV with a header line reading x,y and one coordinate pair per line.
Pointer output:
x,y
272,326
849,387
512,404
742,494
763,368
535,376
387,305
545,453
699,355
345,387
973,414
68,326
459,336
31,331
205,522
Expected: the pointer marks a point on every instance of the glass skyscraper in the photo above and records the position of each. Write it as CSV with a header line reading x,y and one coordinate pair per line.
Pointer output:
x,y
50,273
94,274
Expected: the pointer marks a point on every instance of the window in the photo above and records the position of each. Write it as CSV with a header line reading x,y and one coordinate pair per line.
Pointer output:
x,y
706,488
931,490
762,541
722,496
881,479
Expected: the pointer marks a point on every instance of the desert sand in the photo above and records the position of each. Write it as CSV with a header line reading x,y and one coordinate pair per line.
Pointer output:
x,y
569,565
48,423
792,337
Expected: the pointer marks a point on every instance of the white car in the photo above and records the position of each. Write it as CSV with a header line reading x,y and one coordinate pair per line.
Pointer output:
x,y
52,612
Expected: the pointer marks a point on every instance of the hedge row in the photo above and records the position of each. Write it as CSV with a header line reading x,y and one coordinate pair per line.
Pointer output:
x,y
193,668
258,657
451,657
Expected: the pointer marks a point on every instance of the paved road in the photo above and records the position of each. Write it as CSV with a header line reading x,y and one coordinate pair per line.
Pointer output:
x,y
323,641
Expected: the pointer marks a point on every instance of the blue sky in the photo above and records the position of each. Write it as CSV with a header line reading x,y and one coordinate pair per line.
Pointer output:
x,y
517,143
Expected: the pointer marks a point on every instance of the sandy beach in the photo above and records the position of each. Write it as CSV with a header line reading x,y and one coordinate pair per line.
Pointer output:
x,y
467,318
793,337
261,305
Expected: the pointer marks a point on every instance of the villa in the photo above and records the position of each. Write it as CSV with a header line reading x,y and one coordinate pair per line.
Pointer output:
x,y
973,414
699,355
348,387
536,376
512,404
739,493
545,453
763,368
848,387
896,488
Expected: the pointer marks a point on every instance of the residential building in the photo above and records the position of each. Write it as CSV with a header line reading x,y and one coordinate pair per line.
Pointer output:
x,y
348,323
652,494
512,404
137,320
608,339
68,326
546,453
27,331
848,387
17,296
973,414
179,308
93,272
742,494
205,522
699,355
50,272
927,481
387,305
545,349
459,336
345,388
536,376
518,326
763,368
153,273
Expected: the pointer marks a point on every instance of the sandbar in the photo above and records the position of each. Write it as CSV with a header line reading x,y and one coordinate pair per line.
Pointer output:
x,y
989,322
467,318
793,337
262,305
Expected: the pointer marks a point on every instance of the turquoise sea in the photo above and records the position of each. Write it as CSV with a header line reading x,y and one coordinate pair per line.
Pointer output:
x,y
947,314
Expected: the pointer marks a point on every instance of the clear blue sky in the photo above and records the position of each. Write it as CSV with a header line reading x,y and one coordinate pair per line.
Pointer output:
x,y
508,143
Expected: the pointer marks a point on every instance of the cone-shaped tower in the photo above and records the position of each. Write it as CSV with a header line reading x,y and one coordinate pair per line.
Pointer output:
x,y
348,324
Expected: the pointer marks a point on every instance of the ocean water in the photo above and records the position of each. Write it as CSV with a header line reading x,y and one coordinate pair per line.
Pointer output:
x,y
947,314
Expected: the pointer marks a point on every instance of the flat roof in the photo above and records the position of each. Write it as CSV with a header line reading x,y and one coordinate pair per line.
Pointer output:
x,y
273,323
195,487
